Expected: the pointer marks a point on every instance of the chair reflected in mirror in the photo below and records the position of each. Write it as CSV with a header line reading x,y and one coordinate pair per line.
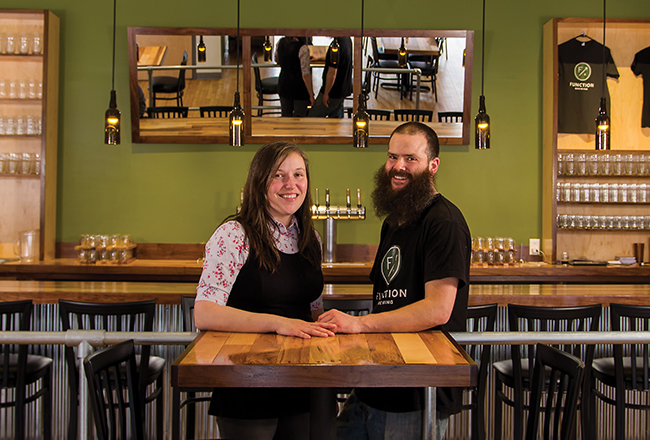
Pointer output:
x,y
384,63
264,86
428,65
450,116
167,112
413,115
215,111
167,85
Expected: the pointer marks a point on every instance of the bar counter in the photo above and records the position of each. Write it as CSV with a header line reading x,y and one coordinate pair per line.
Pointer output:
x,y
157,270
559,295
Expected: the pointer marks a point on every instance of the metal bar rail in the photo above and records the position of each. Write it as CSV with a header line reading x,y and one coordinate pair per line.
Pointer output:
x,y
85,339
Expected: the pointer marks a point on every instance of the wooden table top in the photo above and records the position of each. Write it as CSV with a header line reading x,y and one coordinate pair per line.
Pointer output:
x,y
151,55
424,359
414,46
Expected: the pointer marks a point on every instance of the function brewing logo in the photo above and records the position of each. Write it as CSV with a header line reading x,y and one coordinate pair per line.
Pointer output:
x,y
582,72
391,263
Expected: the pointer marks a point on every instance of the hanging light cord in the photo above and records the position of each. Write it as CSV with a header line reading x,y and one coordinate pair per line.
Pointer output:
x,y
237,46
114,15
483,49
362,2
604,48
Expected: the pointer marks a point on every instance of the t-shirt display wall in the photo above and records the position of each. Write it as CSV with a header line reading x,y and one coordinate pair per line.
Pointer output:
x,y
573,86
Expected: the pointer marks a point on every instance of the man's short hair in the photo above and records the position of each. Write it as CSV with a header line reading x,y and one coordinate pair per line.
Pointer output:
x,y
413,128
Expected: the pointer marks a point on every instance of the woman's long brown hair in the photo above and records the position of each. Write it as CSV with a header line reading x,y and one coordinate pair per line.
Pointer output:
x,y
254,214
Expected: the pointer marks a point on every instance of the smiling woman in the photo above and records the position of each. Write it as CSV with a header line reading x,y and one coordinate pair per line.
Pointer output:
x,y
438,78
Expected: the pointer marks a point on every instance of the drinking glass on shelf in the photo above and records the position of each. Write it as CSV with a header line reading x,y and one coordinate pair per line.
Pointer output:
x,y
630,164
39,90
604,193
592,164
560,164
594,190
646,221
36,43
569,164
32,89
4,93
2,125
632,193
13,167
618,222
37,164
23,43
642,166
622,193
12,91
581,164
10,44
604,165
576,190
572,221
23,91
565,196
10,127
625,222
642,193
585,193
580,221
602,220
563,221
558,191
21,125
617,165
613,192
27,163
610,222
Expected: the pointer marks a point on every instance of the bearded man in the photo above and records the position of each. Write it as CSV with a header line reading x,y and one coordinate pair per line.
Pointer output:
x,y
421,282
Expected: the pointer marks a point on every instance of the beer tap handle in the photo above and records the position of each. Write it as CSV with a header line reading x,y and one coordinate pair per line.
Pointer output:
x,y
358,198
316,198
347,198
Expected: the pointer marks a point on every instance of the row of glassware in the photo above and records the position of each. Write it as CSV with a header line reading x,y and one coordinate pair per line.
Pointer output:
x,y
27,88
570,221
20,163
493,251
605,164
21,125
21,43
603,192
98,249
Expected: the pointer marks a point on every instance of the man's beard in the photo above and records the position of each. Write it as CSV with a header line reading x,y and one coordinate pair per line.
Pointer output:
x,y
405,206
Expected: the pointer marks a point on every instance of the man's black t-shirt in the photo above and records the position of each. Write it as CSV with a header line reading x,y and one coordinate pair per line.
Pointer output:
x,y
641,66
580,84
437,246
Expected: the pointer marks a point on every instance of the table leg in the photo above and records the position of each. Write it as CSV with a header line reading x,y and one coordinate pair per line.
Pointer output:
x,y
323,414
429,416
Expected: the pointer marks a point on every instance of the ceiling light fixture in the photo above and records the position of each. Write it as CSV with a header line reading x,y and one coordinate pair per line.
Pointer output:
x,y
201,50
236,119
112,116
361,120
603,126
482,120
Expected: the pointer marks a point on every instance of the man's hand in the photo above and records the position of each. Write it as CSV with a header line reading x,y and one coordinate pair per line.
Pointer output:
x,y
343,322
326,100
304,329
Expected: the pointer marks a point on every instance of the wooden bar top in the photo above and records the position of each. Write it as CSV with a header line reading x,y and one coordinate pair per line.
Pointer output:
x,y
558,295
424,359
177,270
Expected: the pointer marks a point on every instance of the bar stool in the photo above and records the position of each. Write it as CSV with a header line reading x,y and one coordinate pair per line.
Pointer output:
x,y
20,372
516,373
129,316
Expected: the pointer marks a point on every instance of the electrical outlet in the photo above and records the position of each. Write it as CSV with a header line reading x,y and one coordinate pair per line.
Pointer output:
x,y
534,246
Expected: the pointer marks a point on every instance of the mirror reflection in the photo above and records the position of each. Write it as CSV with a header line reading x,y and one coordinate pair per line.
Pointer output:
x,y
287,74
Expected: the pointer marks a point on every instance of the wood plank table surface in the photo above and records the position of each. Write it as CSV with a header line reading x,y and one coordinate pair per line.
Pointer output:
x,y
425,359
151,55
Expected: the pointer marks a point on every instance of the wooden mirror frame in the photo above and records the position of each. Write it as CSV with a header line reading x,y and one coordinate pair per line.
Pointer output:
x,y
260,134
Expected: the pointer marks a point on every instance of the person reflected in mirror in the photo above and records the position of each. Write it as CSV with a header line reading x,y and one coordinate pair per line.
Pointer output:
x,y
337,82
262,274
420,281
295,82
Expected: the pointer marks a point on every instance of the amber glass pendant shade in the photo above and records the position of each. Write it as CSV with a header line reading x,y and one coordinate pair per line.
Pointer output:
x,y
360,123
603,127
482,122
402,57
268,50
236,124
335,51
112,120
201,50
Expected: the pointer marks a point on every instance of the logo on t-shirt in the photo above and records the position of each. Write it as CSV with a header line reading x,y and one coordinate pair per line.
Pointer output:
x,y
391,263
582,71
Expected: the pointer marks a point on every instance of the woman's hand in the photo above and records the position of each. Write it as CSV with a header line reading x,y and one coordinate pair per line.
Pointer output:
x,y
304,329
343,322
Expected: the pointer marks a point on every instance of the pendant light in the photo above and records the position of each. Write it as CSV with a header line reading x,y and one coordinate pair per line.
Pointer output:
x,y
361,120
482,120
236,119
201,50
112,117
334,51
402,57
603,128
268,49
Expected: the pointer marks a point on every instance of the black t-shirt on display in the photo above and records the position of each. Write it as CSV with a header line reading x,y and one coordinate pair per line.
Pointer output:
x,y
580,84
436,247
641,66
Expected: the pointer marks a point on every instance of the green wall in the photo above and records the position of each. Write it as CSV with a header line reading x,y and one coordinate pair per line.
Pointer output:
x,y
179,193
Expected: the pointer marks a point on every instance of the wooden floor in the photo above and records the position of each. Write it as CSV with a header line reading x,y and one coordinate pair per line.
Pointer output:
x,y
450,76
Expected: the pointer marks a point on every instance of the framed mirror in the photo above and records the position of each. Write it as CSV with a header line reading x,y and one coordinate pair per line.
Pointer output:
x,y
165,71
